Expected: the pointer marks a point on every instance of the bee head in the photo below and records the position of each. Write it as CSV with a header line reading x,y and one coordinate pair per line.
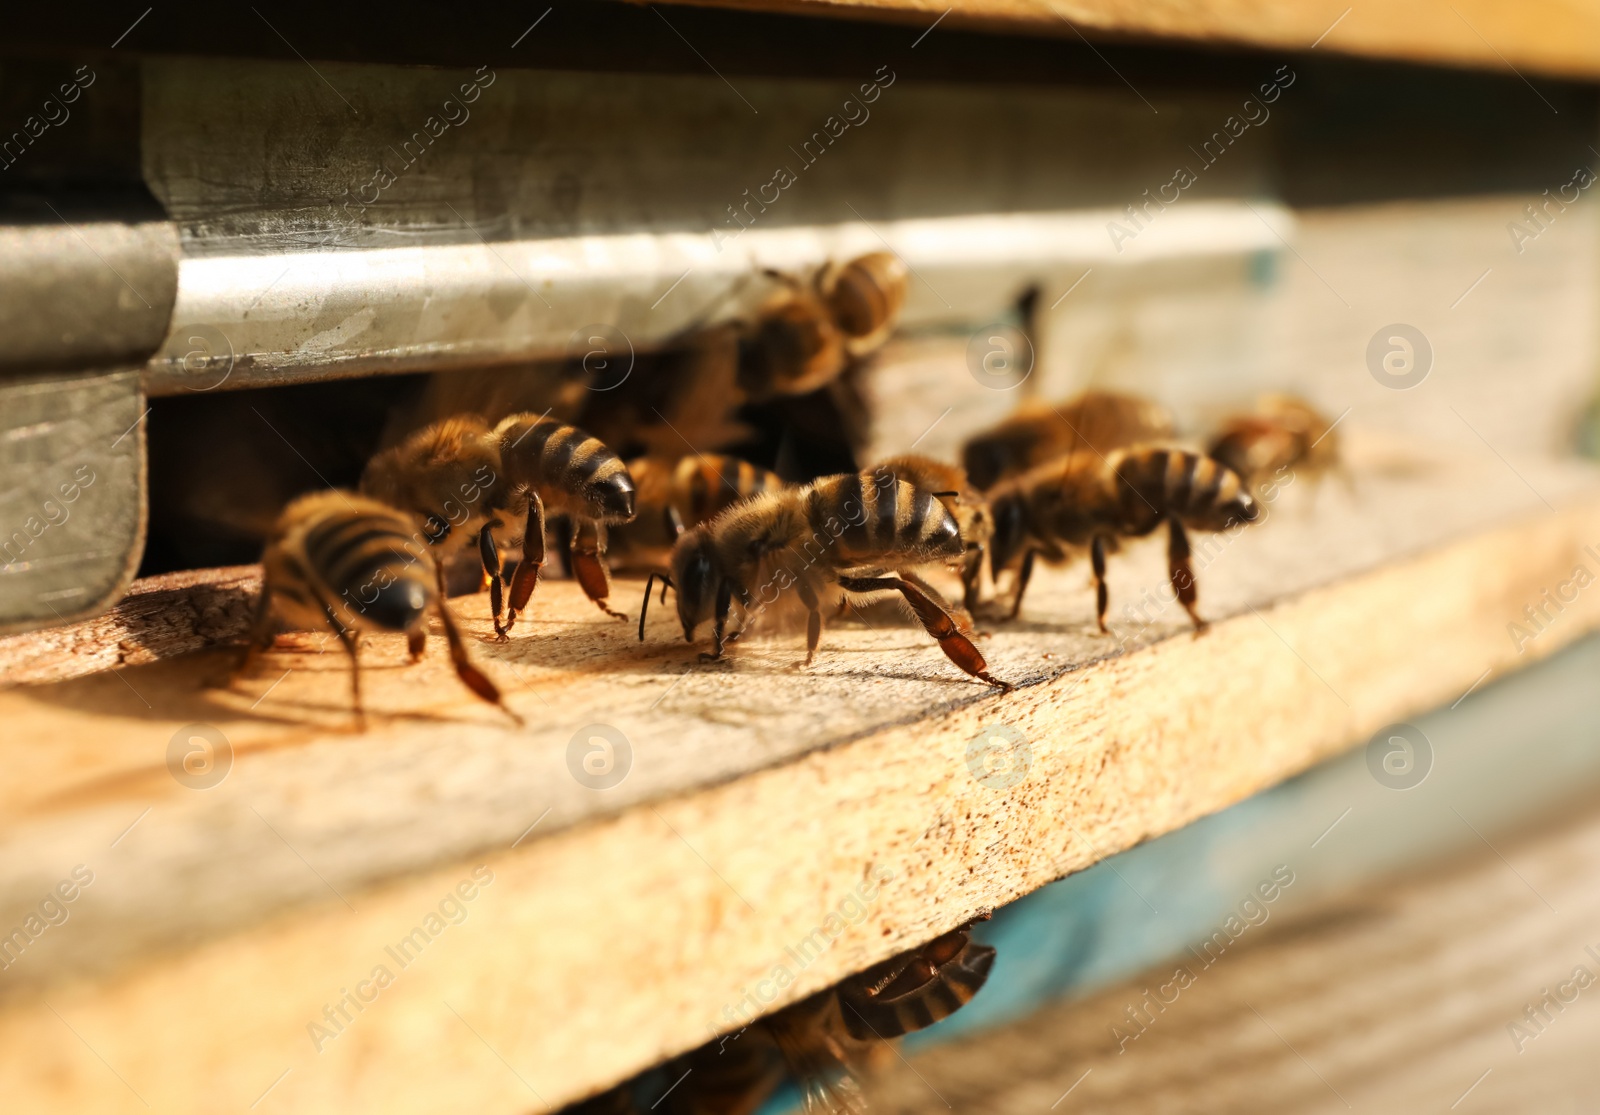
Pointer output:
x,y
696,576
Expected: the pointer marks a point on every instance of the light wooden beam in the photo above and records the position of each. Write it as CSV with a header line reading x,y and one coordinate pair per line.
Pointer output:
x,y
778,829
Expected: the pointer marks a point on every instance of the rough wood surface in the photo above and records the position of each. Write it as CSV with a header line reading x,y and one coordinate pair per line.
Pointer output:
x,y
160,617
1544,36
623,925
1408,995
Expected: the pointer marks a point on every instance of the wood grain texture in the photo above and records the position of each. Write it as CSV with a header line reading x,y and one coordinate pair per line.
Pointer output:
x,y
1545,36
625,925
1399,995
159,617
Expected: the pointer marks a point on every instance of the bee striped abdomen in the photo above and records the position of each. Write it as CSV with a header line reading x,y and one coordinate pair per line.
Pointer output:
x,y
558,460
369,562
1154,484
707,484
919,995
345,550
884,516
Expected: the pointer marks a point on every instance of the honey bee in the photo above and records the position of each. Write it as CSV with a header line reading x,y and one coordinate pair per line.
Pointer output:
x,y
1089,500
829,1042
547,461
328,552
1094,422
804,335
676,494
1284,433
854,531
461,478
950,485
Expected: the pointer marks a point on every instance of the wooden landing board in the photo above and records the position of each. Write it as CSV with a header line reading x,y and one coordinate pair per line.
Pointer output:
x,y
1408,995
730,870
1541,36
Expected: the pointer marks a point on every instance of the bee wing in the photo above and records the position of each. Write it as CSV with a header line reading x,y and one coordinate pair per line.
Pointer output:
x,y
819,1066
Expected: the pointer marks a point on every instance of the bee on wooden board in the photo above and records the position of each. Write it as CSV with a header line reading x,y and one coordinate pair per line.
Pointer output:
x,y
854,531
802,336
460,478
1092,423
1094,501
678,494
346,563
827,1043
1284,434
950,485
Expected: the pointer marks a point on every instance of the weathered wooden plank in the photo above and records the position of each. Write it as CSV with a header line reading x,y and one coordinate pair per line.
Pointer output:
x,y
623,925
1420,993
1544,37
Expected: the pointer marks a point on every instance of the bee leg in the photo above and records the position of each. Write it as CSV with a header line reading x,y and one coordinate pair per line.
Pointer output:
x,y
472,677
724,606
808,597
963,618
935,620
562,528
489,554
1181,571
589,565
526,578
972,577
1023,573
263,629
416,642
352,647
1102,595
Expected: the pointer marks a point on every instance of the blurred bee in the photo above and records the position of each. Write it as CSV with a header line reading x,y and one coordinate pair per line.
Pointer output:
x,y
1089,500
459,478
949,484
342,562
1284,434
676,494
1092,423
802,337
854,531
830,1042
